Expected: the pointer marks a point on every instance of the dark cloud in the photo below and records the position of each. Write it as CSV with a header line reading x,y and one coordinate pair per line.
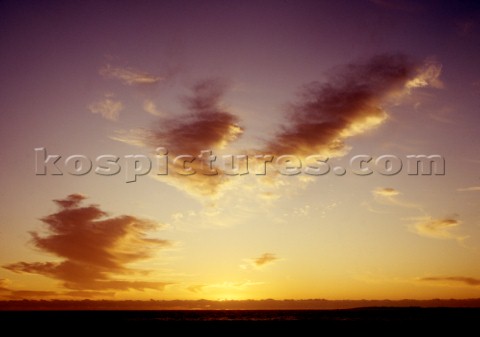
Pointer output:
x,y
96,249
457,279
264,259
349,103
208,125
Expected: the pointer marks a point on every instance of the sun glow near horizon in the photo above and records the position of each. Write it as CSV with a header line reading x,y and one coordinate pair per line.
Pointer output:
x,y
165,115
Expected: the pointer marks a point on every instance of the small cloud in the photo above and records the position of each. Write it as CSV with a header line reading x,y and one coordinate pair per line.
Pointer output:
x,y
469,189
135,137
269,196
470,281
390,196
386,192
436,228
107,108
428,76
264,259
129,76
150,107
258,262
302,211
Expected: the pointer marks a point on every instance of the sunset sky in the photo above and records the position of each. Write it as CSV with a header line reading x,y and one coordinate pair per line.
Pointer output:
x,y
332,79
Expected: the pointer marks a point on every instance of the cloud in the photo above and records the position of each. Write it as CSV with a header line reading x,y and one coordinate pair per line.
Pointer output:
x,y
264,259
386,192
258,262
390,196
208,125
95,249
107,108
428,75
135,137
425,225
470,281
436,228
150,107
348,104
129,76
469,189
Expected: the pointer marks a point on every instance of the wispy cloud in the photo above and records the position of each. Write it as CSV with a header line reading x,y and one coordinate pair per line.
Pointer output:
x,y
8,292
437,228
470,281
129,76
386,191
108,108
135,137
391,196
428,75
264,259
150,107
95,249
443,228
469,189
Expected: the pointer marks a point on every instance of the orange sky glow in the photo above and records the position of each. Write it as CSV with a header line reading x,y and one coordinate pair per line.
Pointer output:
x,y
182,150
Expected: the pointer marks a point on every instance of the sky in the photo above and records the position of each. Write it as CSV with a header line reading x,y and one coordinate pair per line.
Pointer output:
x,y
126,127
